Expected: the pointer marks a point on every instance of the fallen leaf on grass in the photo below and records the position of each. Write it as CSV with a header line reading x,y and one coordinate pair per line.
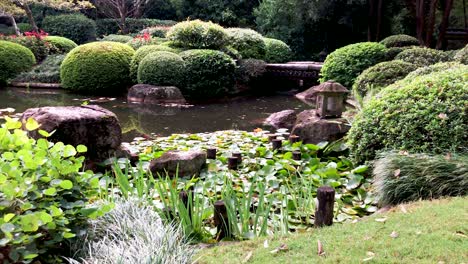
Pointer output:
x,y
370,256
382,220
282,247
394,234
265,244
248,257
460,233
320,251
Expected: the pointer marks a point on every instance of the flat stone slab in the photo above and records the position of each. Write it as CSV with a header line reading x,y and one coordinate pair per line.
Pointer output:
x,y
149,94
93,126
183,163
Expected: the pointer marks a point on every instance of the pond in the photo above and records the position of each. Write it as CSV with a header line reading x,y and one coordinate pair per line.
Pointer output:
x,y
245,113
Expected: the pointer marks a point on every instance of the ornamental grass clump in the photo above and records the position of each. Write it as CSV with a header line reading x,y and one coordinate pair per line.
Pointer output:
x,y
426,114
45,195
133,233
14,59
161,68
381,75
401,178
345,64
97,68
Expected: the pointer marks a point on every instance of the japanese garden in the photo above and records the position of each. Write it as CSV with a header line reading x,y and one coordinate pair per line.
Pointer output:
x,y
271,131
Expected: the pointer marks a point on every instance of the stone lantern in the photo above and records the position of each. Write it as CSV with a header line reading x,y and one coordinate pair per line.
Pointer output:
x,y
330,99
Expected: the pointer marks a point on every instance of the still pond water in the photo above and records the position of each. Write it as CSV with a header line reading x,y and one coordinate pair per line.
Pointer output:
x,y
243,114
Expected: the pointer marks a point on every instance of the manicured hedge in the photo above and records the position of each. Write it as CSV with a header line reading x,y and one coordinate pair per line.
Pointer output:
x,y
346,63
97,68
109,26
60,45
400,41
157,31
161,68
381,75
422,56
426,114
462,55
197,34
441,66
117,38
76,27
208,74
248,42
14,59
141,53
277,51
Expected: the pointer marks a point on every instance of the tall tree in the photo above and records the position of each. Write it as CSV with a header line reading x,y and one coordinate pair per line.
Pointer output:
x,y
9,10
121,10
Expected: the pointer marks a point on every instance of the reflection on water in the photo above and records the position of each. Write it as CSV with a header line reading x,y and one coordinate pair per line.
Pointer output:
x,y
243,114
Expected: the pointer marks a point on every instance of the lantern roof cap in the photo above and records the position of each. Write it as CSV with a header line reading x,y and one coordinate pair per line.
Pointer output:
x,y
330,87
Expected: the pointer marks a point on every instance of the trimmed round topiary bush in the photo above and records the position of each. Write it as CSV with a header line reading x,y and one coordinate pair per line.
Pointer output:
x,y
422,56
197,34
14,59
117,38
394,51
208,74
248,42
141,53
346,63
277,51
426,114
462,55
381,75
97,68
441,66
161,68
60,45
76,27
400,41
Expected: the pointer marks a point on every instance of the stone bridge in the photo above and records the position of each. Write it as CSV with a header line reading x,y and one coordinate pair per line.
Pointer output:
x,y
305,73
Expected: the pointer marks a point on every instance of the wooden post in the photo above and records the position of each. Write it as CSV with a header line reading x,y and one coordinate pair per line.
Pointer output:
x,y
211,153
297,155
271,137
221,220
184,197
326,201
232,163
238,155
294,139
277,143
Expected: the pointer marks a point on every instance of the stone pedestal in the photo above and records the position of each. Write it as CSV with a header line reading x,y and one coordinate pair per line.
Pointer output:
x,y
186,163
311,129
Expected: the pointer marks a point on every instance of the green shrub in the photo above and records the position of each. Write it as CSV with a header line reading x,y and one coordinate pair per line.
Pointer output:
x,y
441,66
46,72
451,54
426,114
249,70
422,56
97,68
24,27
109,26
248,42
141,53
381,75
208,74
405,178
157,31
462,55
39,47
399,41
14,59
394,51
277,51
76,27
117,38
143,40
346,63
232,52
45,195
60,45
161,68
197,34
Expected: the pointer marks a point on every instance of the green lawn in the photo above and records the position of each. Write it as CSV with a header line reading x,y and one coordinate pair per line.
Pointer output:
x,y
423,232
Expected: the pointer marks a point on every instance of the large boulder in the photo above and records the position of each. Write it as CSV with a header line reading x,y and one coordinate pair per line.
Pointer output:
x,y
185,163
149,94
312,129
93,126
283,119
308,95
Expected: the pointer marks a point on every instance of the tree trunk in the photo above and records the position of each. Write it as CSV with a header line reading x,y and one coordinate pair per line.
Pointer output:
x,y
420,21
13,23
431,23
444,23
31,18
370,26
379,20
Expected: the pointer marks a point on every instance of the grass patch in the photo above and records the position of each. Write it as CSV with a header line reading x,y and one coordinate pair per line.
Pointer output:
x,y
423,232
